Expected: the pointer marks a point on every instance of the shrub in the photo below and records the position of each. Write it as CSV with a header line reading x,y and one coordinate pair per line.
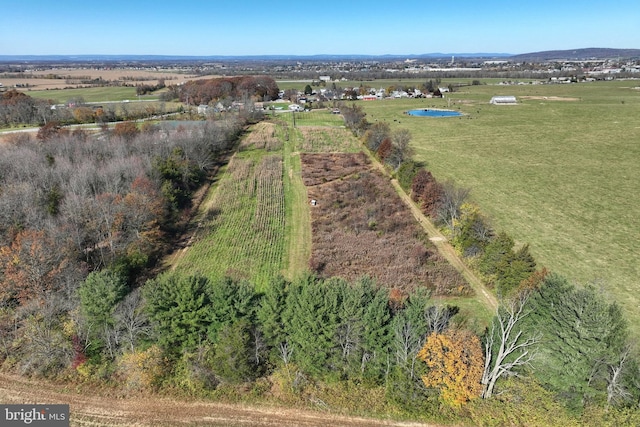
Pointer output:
x,y
142,369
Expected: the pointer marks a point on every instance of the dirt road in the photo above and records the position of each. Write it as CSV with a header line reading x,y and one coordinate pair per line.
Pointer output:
x,y
446,250
90,409
440,242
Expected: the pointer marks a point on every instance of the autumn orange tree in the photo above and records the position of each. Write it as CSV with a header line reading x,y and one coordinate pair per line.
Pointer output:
x,y
455,363
29,266
126,130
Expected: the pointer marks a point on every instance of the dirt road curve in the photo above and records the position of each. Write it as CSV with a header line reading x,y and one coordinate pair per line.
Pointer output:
x,y
95,410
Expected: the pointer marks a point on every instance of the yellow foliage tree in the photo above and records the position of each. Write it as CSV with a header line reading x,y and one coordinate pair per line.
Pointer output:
x,y
141,370
83,115
455,364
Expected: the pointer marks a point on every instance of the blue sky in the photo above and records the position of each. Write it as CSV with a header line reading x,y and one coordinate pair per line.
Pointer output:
x,y
301,27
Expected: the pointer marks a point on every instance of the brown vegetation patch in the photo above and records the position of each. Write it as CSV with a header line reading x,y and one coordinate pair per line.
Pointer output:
x,y
361,227
318,168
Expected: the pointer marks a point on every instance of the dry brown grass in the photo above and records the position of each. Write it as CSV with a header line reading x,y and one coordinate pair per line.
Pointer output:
x,y
361,227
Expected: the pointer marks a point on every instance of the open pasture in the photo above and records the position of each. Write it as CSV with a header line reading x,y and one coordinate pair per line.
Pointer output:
x,y
557,171
89,94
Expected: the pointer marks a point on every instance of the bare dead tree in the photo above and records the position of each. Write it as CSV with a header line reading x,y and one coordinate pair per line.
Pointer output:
x,y
131,319
438,317
616,391
506,347
452,198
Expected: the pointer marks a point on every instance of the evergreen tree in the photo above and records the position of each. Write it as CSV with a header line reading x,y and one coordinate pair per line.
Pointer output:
x,y
271,316
406,172
231,301
180,311
99,294
495,251
410,329
350,328
583,336
376,336
313,323
233,360
513,269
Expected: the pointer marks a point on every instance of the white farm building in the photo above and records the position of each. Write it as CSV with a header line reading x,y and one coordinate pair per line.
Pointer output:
x,y
504,100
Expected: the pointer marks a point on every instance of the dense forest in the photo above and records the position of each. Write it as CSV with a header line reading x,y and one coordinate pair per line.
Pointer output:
x,y
85,218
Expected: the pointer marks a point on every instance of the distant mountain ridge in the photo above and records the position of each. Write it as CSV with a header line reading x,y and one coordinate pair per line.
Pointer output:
x,y
578,54
549,55
319,57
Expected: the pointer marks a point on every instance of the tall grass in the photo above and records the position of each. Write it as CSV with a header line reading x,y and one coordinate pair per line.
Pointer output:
x,y
243,233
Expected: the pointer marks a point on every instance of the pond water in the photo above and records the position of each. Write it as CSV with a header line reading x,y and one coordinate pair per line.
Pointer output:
x,y
434,113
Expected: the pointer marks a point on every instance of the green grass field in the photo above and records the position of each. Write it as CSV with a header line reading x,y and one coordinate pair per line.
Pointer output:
x,y
320,117
91,94
246,229
557,174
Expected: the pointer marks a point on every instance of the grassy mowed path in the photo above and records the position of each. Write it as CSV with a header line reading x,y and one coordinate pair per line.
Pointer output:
x,y
556,171
298,232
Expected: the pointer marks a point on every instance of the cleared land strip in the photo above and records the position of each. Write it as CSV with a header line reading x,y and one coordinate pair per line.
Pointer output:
x,y
91,408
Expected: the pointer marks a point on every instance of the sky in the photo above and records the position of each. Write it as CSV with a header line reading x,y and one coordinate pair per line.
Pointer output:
x,y
301,27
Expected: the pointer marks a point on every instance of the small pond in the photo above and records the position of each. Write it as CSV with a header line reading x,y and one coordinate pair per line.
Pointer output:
x,y
434,113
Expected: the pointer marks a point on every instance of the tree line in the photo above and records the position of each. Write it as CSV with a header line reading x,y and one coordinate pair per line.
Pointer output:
x,y
18,108
205,91
75,203
421,353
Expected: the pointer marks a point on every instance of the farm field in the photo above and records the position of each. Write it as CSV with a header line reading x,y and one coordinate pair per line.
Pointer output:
x,y
89,94
556,171
242,234
61,78
359,226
